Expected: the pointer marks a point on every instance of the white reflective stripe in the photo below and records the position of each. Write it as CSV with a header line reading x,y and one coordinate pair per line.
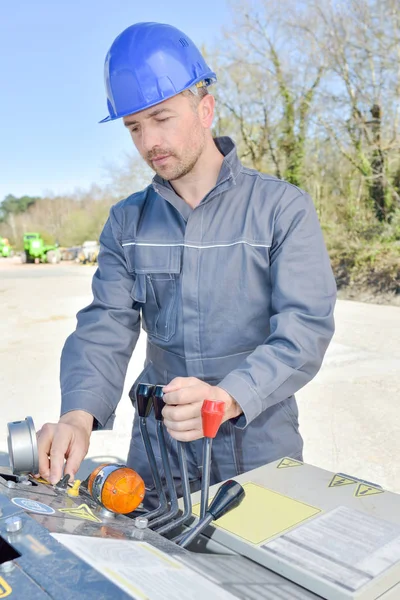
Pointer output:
x,y
194,246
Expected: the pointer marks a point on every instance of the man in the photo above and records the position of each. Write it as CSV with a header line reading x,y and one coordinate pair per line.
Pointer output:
x,y
225,267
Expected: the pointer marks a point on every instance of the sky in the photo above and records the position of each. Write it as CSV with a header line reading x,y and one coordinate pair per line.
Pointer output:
x,y
52,89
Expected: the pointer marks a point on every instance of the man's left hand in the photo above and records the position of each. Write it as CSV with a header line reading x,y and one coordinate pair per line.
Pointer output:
x,y
184,397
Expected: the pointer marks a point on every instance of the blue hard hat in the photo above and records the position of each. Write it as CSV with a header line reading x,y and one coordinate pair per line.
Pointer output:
x,y
148,63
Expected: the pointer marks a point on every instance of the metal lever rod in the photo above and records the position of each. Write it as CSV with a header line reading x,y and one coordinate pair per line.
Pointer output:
x,y
192,534
144,404
158,405
229,495
187,501
163,503
205,479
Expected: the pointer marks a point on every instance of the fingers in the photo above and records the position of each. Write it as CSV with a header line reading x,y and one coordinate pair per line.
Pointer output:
x,y
183,422
181,412
180,426
186,436
57,442
180,382
63,435
190,394
75,456
45,438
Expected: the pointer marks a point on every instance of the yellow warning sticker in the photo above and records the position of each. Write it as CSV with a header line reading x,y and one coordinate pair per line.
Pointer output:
x,y
367,490
81,512
250,520
289,462
339,480
5,589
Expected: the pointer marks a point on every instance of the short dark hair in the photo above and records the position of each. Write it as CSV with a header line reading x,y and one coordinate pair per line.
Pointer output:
x,y
194,98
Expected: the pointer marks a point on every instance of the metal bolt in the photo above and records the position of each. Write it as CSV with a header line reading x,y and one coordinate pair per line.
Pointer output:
x,y
141,522
138,534
11,484
13,524
26,482
7,567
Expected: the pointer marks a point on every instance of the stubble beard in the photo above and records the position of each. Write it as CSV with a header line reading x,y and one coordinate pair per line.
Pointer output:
x,y
182,166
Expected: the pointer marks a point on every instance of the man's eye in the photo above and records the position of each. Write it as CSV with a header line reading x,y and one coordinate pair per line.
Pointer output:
x,y
134,129
162,120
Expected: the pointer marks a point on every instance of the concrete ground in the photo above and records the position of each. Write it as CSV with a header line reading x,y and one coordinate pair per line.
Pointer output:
x,y
349,412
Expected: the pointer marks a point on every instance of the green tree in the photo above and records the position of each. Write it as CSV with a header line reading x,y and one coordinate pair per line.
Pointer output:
x,y
13,205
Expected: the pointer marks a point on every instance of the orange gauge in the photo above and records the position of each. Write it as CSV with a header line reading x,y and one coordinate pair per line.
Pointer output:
x,y
116,487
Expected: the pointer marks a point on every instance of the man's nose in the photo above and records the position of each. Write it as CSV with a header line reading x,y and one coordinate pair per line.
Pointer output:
x,y
149,139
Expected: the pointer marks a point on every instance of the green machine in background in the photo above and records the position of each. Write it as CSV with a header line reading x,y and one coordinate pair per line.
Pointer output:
x,y
5,248
35,250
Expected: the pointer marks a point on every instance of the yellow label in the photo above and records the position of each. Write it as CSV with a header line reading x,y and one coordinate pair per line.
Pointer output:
x,y
367,490
289,462
263,514
5,589
81,512
339,480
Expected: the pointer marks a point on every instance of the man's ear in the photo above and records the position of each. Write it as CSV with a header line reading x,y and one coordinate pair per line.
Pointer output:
x,y
206,110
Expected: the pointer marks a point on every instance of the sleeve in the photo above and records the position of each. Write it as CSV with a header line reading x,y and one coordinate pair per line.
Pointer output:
x,y
95,356
302,323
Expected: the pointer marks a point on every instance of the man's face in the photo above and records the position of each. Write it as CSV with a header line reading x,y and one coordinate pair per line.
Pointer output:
x,y
169,136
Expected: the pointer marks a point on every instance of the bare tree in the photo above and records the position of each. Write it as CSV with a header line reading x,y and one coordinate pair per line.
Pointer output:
x,y
268,87
359,40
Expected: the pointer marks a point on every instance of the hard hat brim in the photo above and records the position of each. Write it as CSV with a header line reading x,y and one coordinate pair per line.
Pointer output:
x,y
212,79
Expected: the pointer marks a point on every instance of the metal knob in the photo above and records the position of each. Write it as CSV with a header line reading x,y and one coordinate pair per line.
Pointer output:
x,y
13,524
141,522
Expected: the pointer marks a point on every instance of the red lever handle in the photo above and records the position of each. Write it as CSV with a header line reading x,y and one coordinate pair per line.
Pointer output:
x,y
212,413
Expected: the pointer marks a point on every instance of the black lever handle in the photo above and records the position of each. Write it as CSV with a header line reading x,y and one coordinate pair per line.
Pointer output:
x,y
228,497
158,402
144,399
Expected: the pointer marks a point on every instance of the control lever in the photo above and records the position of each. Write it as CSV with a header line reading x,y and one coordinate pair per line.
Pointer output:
x,y
229,495
212,413
187,501
158,405
144,404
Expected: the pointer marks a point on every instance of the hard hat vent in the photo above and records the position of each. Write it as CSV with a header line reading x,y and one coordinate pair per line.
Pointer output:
x,y
184,42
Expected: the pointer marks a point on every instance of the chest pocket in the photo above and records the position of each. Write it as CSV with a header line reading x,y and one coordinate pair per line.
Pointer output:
x,y
156,272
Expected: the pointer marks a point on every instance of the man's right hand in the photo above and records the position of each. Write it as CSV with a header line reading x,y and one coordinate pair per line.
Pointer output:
x,y
68,439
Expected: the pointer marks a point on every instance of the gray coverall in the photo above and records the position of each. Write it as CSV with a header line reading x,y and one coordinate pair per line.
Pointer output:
x,y
237,292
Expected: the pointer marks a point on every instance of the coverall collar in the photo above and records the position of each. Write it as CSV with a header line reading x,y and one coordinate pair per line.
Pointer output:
x,y
230,169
